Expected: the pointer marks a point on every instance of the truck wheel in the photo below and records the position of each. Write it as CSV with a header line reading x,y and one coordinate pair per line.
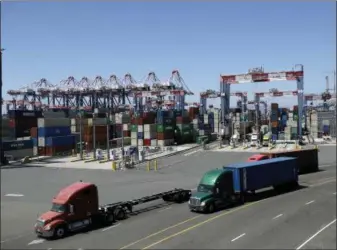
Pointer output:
x,y
120,214
109,218
211,208
60,232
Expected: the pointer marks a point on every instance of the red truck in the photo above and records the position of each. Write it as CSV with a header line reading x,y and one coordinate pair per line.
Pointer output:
x,y
76,207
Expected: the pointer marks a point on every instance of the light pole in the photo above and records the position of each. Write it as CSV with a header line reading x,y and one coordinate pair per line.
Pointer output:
x,y
2,154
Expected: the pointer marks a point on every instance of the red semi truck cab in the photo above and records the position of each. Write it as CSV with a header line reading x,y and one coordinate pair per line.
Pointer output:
x,y
72,209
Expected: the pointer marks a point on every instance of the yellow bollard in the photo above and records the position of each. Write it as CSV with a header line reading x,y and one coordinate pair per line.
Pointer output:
x,y
114,166
155,165
148,166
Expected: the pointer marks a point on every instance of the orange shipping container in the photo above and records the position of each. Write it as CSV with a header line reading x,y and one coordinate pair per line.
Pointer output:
x,y
33,132
274,124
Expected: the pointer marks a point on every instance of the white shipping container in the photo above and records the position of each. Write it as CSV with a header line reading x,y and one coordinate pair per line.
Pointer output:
x,y
35,151
201,132
134,135
140,142
126,127
154,143
53,122
73,128
150,127
72,121
164,143
150,135
195,121
140,128
134,141
41,142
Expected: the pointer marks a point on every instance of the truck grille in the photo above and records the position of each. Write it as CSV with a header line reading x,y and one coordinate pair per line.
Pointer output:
x,y
195,201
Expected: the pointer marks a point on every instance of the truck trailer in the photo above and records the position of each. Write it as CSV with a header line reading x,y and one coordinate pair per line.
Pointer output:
x,y
76,207
229,185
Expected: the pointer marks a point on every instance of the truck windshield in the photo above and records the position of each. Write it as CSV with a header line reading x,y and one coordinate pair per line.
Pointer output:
x,y
205,188
58,208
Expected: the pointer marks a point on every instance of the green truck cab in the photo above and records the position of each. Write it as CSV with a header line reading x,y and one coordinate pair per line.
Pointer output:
x,y
214,191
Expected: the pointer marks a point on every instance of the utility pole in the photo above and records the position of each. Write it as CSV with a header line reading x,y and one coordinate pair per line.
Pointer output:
x,y
2,153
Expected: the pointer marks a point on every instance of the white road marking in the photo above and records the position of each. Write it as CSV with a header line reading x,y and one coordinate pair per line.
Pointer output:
x,y
317,233
14,195
334,193
236,238
309,202
164,209
15,238
277,216
328,180
326,166
108,228
36,242
193,152
49,249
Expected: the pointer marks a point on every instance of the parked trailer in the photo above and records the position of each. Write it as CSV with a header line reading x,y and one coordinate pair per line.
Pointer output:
x,y
76,207
307,159
223,187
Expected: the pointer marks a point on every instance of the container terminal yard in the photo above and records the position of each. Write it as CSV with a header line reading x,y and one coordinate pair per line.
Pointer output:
x,y
206,151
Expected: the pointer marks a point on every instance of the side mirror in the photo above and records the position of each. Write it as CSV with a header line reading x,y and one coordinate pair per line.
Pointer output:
x,y
71,209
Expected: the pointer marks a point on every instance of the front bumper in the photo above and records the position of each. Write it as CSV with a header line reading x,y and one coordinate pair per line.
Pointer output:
x,y
197,208
43,233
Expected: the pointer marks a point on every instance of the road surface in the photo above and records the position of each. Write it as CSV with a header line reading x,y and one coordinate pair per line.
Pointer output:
x,y
264,223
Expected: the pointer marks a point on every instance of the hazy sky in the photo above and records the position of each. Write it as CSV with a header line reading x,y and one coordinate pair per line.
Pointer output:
x,y
201,39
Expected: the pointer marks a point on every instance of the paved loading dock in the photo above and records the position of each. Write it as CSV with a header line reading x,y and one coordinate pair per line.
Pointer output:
x,y
38,185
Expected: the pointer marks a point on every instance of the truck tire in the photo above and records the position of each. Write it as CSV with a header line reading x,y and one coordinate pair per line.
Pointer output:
x,y
210,208
60,232
120,213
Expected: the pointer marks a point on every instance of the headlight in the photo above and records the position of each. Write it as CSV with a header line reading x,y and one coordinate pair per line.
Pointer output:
x,y
47,228
202,204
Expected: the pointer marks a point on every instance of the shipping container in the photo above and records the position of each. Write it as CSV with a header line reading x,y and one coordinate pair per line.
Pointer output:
x,y
59,141
24,113
33,132
263,174
166,135
307,159
17,145
53,122
163,129
19,153
53,131
22,126
59,150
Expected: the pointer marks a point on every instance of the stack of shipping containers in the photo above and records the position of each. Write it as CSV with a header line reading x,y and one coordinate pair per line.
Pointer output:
x,y
53,136
184,128
165,128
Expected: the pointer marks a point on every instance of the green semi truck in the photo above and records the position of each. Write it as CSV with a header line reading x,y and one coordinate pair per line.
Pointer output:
x,y
229,185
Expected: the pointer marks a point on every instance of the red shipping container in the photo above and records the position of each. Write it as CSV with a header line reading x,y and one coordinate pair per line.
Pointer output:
x,y
164,136
147,142
33,132
127,133
41,151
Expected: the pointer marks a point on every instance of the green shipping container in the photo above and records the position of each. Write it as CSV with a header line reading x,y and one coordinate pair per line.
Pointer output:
x,y
134,128
163,128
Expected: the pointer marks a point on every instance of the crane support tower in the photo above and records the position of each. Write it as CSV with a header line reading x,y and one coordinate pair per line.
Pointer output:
x,y
258,75
211,94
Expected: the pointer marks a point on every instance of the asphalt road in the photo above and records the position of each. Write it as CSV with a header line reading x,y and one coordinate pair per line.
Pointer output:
x,y
38,185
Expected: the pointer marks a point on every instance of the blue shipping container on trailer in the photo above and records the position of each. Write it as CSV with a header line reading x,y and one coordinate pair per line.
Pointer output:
x,y
53,131
251,176
60,141
17,145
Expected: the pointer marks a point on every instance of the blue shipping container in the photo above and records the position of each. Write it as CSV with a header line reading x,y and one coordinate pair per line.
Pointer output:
x,y
251,176
60,141
326,129
140,135
53,131
274,137
35,142
17,145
